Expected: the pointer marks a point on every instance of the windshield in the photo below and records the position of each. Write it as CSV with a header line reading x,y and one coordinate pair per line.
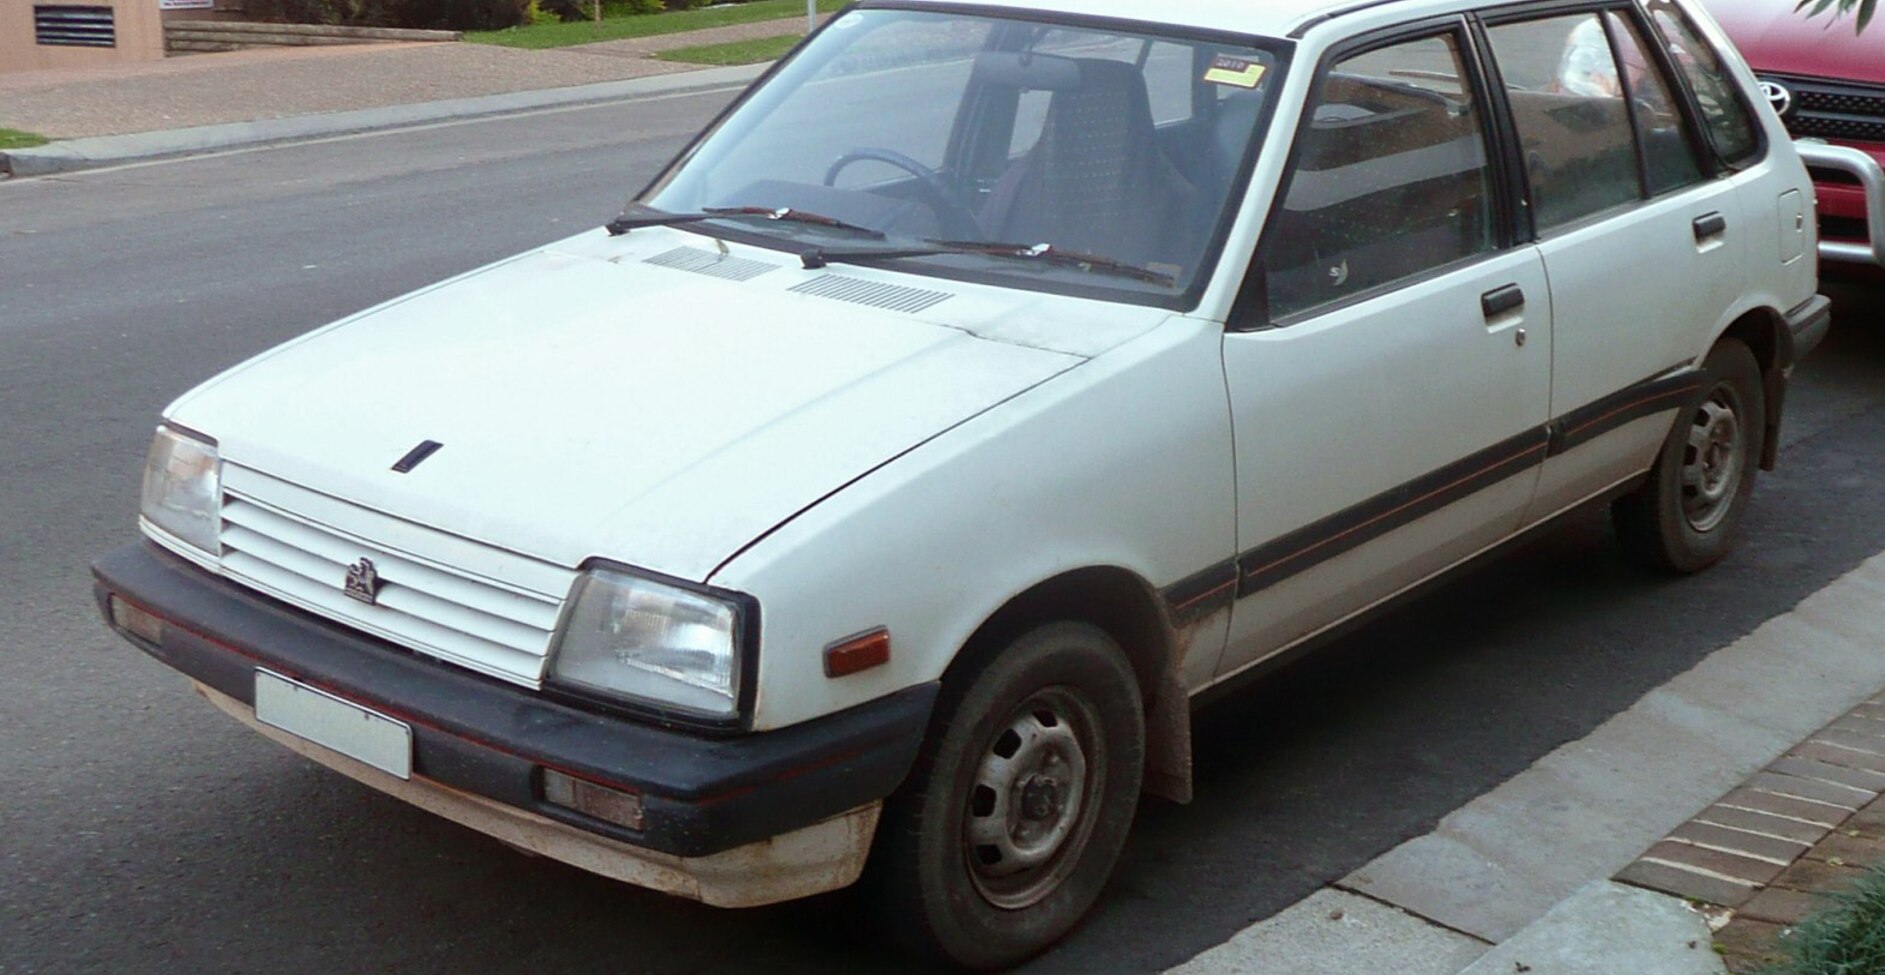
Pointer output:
x,y
1030,154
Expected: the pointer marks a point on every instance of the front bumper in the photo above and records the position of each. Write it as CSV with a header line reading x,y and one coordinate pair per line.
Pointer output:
x,y
483,744
1861,203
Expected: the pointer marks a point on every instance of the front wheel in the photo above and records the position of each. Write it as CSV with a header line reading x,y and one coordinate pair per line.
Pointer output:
x,y
1683,518
1020,803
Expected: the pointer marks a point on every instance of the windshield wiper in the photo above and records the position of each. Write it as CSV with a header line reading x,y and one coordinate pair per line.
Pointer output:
x,y
650,217
638,217
795,216
1045,253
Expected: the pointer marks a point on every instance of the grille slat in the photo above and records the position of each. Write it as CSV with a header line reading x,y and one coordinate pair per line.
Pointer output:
x,y
394,595
440,594
466,651
1834,109
532,611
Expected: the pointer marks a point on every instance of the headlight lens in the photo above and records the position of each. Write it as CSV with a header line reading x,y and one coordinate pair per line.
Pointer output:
x,y
630,637
183,488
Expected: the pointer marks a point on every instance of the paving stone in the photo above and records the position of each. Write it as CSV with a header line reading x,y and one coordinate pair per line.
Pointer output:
x,y
1740,841
1817,813
1838,795
1781,826
1822,751
1846,739
1777,905
1858,851
1749,946
1817,875
1685,883
1715,861
1871,819
1809,768
1856,725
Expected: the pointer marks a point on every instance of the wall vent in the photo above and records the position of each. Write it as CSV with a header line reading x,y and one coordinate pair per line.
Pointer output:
x,y
857,291
698,261
66,26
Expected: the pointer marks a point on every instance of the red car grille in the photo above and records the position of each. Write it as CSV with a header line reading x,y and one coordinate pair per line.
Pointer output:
x,y
1834,110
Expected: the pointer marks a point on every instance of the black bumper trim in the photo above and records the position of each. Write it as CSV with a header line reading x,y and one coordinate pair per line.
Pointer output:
x,y
701,795
1809,323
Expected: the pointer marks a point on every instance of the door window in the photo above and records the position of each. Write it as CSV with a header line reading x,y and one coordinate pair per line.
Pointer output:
x,y
1390,178
1573,119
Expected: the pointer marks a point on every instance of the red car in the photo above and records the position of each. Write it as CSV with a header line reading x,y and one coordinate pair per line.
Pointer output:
x,y
1826,82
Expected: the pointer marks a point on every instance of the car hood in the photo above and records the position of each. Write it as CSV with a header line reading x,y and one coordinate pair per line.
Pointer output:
x,y
1774,37
591,403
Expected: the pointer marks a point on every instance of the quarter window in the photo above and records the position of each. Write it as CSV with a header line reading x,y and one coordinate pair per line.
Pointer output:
x,y
1730,125
1390,178
1567,98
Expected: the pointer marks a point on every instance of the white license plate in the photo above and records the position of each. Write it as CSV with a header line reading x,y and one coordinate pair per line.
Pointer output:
x,y
363,735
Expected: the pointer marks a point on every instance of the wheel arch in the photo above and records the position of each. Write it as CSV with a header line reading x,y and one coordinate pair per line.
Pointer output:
x,y
1764,331
1122,603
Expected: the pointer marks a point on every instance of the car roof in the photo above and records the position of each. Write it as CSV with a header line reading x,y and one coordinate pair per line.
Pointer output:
x,y
1270,18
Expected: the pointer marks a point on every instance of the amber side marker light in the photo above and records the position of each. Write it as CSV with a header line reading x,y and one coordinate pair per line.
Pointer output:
x,y
590,799
861,652
136,620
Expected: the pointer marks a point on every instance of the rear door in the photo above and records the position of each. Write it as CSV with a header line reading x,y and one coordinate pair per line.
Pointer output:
x,y
1643,246
1389,397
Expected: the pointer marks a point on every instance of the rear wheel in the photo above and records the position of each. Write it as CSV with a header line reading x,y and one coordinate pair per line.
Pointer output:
x,y
1020,803
1683,518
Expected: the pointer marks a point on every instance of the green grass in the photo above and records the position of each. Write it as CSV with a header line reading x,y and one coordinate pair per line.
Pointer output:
x,y
539,36
15,139
1847,937
737,52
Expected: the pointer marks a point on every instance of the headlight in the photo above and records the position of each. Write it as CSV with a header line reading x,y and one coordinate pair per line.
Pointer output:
x,y
630,637
183,488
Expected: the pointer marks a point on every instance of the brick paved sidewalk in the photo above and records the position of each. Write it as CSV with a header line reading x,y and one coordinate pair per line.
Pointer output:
x,y
1809,823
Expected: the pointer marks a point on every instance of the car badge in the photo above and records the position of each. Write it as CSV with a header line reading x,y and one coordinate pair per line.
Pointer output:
x,y
363,582
1779,97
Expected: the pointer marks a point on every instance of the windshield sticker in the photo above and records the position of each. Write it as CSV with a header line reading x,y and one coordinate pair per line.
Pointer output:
x,y
1236,72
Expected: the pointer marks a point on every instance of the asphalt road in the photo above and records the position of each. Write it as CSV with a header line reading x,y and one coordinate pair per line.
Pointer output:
x,y
141,831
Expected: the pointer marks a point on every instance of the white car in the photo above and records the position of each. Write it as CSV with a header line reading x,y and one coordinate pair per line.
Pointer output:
x,y
988,381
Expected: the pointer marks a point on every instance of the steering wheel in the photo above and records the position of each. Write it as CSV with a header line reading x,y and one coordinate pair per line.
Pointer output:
x,y
954,214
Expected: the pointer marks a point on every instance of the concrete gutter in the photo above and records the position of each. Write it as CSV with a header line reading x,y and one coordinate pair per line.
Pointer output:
x,y
116,150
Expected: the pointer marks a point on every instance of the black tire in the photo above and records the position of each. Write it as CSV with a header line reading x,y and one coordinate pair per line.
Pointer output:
x,y
932,882
1683,518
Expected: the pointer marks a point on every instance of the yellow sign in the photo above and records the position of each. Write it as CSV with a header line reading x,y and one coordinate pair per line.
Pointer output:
x,y
1234,71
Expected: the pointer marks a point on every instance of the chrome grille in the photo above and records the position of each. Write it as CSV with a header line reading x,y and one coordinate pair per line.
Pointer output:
x,y
461,601
1834,110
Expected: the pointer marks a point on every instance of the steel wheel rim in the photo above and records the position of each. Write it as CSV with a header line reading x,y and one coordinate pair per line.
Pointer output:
x,y
1714,460
1031,807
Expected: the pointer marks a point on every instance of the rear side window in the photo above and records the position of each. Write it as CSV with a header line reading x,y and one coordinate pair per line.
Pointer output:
x,y
1567,98
1390,179
1661,127
1729,123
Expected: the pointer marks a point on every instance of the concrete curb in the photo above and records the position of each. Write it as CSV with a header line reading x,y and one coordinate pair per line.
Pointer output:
x,y
115,150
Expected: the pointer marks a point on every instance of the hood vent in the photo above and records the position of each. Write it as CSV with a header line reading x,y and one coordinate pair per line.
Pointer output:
x,y
857,291
713,265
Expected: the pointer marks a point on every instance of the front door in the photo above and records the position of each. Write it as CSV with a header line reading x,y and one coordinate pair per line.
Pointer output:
x,y
1389,407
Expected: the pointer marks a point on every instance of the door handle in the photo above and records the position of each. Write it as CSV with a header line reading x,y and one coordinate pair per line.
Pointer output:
x,y
1710,225
1498,301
